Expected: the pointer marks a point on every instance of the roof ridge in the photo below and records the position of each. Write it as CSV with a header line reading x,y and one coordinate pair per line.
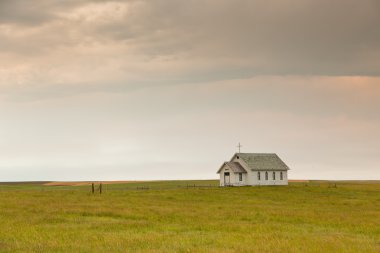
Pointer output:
x,y
256,153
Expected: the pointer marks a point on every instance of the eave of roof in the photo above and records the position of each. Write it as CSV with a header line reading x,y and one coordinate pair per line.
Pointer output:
x,y
234,166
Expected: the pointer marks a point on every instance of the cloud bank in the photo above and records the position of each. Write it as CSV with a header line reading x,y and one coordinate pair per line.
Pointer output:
x,y
165,89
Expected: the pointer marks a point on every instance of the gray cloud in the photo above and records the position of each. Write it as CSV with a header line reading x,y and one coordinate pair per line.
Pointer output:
x,y
34,13
294,37
256,37
24,12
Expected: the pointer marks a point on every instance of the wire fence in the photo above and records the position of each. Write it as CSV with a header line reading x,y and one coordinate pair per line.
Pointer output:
x,y
99,187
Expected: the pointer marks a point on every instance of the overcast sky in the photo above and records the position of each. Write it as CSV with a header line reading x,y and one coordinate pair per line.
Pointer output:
x,y
165,89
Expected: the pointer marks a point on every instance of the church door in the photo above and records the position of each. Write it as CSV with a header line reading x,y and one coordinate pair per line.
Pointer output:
x,y
226,178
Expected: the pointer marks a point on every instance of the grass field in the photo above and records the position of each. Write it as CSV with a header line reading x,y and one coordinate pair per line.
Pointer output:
x,y
169,216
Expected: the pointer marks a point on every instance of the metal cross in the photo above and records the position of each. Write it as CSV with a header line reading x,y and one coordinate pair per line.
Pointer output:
x,y
239,146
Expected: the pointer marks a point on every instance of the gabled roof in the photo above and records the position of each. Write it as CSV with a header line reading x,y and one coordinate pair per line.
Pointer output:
x,y
262,161
234,166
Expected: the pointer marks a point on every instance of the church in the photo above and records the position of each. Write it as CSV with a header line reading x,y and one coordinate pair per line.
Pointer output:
x,y
253,169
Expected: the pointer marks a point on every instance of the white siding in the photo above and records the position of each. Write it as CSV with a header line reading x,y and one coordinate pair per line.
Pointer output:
x,y
247,177
270,180
238,182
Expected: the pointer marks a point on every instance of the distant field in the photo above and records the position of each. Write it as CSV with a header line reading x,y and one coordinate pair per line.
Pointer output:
x,y
190,216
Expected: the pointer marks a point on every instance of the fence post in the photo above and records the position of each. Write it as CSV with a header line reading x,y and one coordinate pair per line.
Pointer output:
x,y
100,188
93,188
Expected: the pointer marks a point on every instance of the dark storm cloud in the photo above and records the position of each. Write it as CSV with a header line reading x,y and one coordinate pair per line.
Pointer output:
x,y
31,13
287,37
23,12
240,38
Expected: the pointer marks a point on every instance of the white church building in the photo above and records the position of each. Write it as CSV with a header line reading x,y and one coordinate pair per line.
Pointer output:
x,y
253,169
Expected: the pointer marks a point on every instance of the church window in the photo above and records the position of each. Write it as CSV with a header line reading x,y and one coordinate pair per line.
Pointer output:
x,y
266,175
240,176
258,176
281,176
274,175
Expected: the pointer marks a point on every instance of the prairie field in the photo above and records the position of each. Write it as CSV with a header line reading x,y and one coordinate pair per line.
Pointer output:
x,y
190,216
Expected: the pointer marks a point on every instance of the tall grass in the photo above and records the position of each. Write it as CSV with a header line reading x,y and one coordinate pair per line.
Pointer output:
x,y
169,217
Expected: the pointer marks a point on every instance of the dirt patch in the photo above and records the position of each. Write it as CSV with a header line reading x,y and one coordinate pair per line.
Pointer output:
x,y
4,246
25,183
298,181
81,183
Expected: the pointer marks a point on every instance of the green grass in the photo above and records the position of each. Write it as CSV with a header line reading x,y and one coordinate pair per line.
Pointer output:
x,y
169,217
